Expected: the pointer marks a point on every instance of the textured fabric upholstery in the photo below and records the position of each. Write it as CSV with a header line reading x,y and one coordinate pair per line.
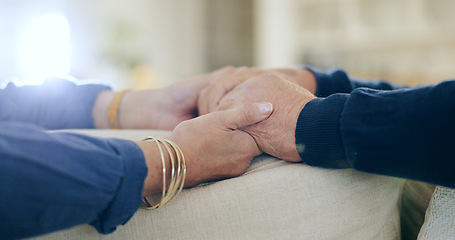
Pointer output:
x,y
272,200
440,217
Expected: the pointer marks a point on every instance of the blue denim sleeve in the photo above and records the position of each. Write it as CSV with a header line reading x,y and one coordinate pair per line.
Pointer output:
x,y
408,132
53,181
56,104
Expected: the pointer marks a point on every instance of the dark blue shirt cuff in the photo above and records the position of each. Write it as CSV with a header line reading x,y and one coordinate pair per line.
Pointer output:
x,y
128,196
318,137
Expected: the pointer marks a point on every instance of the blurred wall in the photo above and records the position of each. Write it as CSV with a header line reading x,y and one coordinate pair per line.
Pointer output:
x,y
406,41
230,38
143,43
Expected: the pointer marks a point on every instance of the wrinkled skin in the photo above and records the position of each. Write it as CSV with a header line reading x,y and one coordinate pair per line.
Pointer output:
x,y
210,96
213,145
275,135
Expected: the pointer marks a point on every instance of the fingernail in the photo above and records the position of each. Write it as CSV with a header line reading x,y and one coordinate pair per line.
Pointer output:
x,y
265,108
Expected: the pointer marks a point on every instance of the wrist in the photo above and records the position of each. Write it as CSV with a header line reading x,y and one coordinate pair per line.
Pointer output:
x,y
306,79
310,79
139,109
100,109
153,183
300,76
196,173
330,81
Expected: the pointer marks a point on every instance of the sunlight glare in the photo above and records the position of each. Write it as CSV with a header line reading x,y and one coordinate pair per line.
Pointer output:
x,y
44,50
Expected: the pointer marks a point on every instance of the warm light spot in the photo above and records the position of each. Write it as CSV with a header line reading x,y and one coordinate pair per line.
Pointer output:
x,y
44,50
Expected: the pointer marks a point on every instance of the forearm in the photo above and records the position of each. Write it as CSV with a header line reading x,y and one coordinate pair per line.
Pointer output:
x,y
337,81
56,104
65,180
136,109
406,133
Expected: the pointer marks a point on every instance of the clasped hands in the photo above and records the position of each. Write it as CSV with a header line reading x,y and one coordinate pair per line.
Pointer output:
x,y
220,120
242,113
288,90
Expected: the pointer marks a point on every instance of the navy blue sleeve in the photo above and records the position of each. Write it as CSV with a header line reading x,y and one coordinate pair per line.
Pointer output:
x,y
56,104
54,181
337,81
408,133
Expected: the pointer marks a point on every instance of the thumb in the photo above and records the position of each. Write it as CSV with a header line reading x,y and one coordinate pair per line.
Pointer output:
x,y
246,114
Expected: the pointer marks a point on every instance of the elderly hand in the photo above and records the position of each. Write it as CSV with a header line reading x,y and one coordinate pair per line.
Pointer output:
x,y
213,146
156,108
210,96
275,135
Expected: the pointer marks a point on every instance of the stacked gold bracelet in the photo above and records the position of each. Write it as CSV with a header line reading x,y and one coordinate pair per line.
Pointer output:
x,y
178,172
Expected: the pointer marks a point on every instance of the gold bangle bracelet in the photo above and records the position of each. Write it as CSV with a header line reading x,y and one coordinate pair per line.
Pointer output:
x,y
172,184
163,162
178,173
177,182
181,170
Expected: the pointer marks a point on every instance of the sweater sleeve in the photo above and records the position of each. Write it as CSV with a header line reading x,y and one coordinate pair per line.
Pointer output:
x,y
54,181
337,81
408,133
56,104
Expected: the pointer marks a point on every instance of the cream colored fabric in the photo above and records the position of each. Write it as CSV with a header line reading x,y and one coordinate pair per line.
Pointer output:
x,y
272,200
440,217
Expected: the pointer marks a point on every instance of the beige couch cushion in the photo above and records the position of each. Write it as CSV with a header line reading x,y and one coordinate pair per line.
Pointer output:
x,y
440,217
272,200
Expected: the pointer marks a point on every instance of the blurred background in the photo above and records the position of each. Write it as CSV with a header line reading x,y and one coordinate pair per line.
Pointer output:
x,y
152,43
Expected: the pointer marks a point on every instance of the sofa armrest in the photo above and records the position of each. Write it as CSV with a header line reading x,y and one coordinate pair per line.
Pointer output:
x,y
272,200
